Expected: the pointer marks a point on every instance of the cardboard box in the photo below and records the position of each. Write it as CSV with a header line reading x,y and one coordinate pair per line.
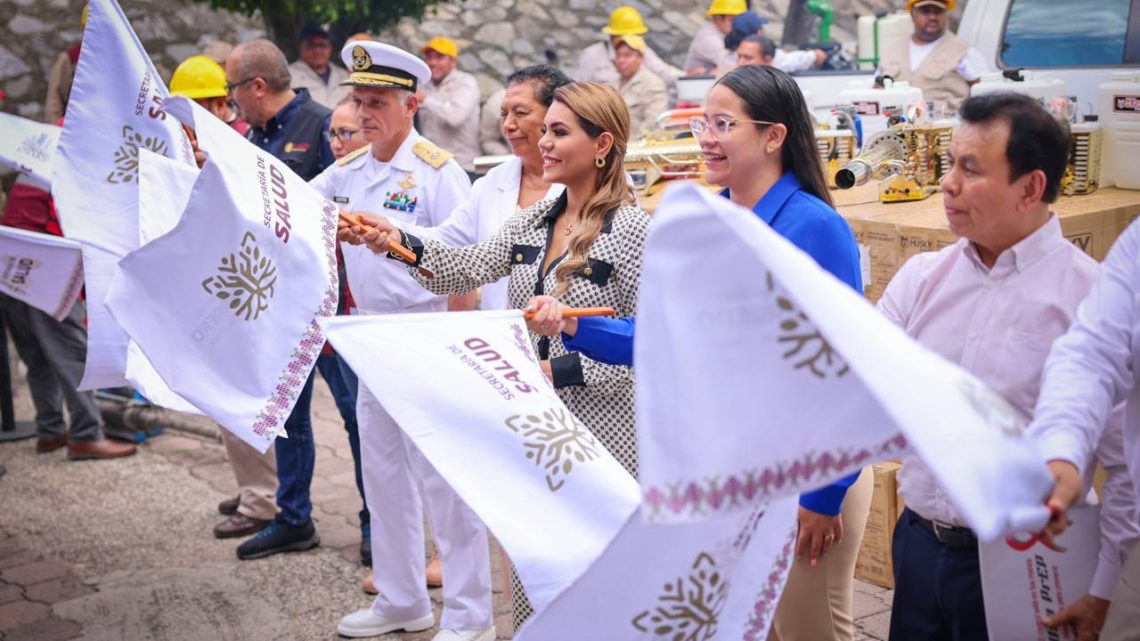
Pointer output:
x,y
874,561
1091,222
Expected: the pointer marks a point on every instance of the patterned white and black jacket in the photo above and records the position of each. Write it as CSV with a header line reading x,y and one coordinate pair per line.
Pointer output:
x,y
600,395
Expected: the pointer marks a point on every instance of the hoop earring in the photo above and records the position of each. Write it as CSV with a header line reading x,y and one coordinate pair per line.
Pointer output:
x,y
599,162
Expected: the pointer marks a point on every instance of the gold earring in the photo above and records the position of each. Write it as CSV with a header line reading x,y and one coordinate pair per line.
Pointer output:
x,y
771,148
599,162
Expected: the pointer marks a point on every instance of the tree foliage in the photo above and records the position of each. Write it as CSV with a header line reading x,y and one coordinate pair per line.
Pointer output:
x,y
285,18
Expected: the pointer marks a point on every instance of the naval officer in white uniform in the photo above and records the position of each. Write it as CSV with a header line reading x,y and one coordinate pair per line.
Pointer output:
x,y
406,177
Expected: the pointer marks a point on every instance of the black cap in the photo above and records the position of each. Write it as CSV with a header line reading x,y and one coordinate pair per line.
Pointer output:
x,y
313,31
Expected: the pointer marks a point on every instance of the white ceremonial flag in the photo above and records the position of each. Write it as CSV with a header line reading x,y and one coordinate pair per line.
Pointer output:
x,y
795,380
28,147
233,291
164,191
467,390
1024,581
115,110
41,270
718,579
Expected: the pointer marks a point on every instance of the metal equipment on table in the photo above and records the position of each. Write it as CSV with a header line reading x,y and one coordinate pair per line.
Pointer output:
x,y
909,160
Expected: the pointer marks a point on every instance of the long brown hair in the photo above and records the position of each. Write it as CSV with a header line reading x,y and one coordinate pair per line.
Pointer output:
x,y
599,108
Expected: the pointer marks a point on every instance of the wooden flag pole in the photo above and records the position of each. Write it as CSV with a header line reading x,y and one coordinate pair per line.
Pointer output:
x,y
577,312
396,248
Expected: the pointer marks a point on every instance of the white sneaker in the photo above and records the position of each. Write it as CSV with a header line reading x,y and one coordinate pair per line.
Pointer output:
x,y
466,635
364,623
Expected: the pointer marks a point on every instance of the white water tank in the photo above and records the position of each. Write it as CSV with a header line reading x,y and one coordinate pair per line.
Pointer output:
x,y
1118,105
872,104
891,27
1038,85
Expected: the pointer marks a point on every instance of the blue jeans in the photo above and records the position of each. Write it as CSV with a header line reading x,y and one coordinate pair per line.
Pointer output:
x,y
343,383
296,457
938,588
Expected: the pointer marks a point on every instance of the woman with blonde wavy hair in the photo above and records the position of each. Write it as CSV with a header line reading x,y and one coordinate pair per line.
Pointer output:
x,y
583,248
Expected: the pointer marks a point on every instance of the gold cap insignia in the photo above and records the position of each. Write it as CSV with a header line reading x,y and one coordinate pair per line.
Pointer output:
x,y
361,61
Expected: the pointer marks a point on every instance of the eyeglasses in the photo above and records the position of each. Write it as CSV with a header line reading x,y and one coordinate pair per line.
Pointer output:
x,y
344,135
230,86
718,125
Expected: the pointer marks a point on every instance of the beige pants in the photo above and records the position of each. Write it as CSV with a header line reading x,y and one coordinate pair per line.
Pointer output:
x,y
817,601
1123,622
256,476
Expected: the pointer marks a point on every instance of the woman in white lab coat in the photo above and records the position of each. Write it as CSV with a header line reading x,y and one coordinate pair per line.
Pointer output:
x,y
513,185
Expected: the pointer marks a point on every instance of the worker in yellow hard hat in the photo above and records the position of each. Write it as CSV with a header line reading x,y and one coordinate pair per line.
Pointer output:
x,y
707,49
932,58
202,80
596,62
449,104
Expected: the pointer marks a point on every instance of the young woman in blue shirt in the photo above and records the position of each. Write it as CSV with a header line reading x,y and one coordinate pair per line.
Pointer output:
x,y
758,139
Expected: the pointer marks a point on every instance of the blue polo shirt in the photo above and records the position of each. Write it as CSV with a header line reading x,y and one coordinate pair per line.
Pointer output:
x,y
808,223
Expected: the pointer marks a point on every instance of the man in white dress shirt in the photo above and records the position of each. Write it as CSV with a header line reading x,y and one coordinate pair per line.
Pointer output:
x,y
315,71
992,303
409,179
1090,370
747,45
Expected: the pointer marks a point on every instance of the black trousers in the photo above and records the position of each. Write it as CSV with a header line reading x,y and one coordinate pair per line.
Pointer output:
x,y
938,588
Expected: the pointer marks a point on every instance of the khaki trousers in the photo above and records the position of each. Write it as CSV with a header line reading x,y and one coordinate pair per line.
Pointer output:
x,y
817,602
1123,622
256,476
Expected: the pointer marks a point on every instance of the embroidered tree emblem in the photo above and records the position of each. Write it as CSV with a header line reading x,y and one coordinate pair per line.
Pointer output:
x,y
127,155
689,607
246,279
554,441
806,346
994,410
36,147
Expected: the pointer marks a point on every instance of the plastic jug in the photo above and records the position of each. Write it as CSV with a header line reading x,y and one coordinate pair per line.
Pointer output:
x,y
1038,85
873,105
890,28
1118,105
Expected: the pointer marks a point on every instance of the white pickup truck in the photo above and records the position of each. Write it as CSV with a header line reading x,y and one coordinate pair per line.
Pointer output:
x,y
1078,41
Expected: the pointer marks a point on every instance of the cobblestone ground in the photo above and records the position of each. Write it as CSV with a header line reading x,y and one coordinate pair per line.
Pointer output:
x,y
114,550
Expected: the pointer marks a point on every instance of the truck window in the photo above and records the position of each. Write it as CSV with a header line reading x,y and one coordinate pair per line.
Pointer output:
x,y
1074,33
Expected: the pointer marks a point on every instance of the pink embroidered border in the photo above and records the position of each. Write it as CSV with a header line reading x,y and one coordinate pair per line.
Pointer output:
x,y
715,495
761,616
304,356
74,284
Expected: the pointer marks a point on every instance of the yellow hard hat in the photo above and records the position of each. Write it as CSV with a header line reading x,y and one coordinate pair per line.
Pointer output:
x,y
726,8
198,77
439,44
625,20
635,42
950,5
